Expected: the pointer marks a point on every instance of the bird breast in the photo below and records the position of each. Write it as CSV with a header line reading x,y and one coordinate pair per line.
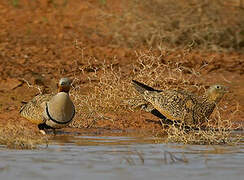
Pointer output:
x,y
60,107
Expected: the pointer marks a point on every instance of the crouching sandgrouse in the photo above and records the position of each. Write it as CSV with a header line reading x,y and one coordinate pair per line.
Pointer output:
x,y
180,106
51,111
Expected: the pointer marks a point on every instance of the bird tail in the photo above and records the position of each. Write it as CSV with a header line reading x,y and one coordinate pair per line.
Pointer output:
x,y
23,106
141,88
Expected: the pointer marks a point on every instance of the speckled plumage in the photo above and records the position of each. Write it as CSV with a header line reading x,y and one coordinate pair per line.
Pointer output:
x,y
33,110
181,105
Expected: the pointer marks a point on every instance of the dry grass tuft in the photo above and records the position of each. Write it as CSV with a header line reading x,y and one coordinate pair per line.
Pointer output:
x,y
209,135
113,95
108,90
205,24
19,137
171,75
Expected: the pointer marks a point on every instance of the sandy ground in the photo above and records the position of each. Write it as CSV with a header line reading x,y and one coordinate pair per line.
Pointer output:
x,y
41,42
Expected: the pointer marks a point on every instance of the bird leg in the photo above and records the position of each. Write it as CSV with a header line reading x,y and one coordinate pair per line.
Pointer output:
x,y
41,128
54,132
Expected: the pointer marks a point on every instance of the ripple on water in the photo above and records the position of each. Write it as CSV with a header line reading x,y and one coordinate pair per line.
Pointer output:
x,y
112,157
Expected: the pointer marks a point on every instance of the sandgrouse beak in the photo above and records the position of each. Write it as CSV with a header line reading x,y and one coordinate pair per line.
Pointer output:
x,y
226,89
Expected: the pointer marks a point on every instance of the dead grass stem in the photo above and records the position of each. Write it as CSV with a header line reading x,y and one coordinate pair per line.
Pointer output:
x,y
113,95
19,137
208,24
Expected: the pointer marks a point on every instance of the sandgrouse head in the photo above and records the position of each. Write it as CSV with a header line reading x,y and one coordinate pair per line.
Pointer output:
x,y
216,92
64,85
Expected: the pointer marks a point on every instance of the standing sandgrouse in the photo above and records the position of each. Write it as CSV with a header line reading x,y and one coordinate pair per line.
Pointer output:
x,y
180,105
51,111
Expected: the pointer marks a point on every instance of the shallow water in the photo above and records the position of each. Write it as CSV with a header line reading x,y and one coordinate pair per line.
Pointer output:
x,y
91,157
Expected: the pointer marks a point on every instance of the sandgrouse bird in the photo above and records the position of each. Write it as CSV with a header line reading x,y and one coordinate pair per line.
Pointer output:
x,y
178,105
50,111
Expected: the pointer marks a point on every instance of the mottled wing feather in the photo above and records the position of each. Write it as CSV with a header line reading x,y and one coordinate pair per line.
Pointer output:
x,y
180,105
202,112
174,105
33,110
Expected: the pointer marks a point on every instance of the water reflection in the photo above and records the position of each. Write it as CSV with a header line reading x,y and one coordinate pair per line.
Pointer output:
x,y
90,157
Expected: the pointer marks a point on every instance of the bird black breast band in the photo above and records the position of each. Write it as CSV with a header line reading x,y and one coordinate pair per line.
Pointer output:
x,y
58,122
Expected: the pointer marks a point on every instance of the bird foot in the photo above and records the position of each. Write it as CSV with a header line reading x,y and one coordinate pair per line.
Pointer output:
x,y
43,132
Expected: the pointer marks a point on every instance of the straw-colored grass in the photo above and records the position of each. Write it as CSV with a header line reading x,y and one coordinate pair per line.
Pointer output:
x,y
112,95
108,90
209,24
16,136
222,136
